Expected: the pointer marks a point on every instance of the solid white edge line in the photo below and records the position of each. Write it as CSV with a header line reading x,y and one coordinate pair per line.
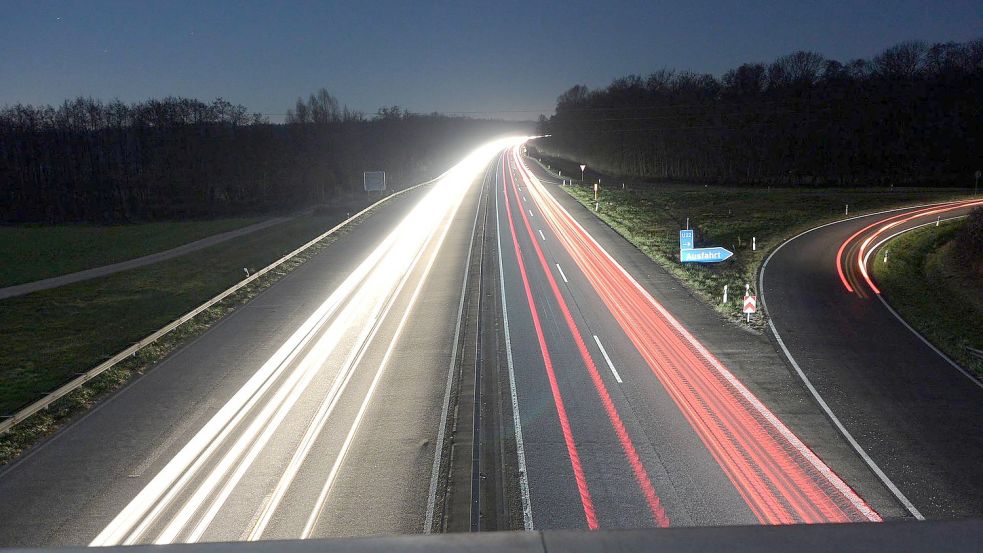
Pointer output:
x,y
604,352
326,407
236,464
383,363
442,429
562,274
846,433
815,393
897,316
527,522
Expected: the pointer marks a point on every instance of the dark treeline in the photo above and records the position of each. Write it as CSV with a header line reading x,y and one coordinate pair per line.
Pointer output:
x,y
969,243
87,160
911,115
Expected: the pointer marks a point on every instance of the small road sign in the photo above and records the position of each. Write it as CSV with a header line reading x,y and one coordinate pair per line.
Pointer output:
x,y
750,304
705,255
374,181
685,240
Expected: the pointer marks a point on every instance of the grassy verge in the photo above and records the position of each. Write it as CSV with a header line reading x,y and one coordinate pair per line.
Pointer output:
x,y
52,335
650,216
935,294
32,253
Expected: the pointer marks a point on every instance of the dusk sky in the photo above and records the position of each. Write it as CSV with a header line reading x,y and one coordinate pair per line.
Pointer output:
x,y
502,59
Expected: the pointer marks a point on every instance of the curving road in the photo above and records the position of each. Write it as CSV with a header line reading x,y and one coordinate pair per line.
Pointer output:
x,y
915,415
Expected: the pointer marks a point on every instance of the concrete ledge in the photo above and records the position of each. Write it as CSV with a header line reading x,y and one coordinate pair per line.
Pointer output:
x,y
896,537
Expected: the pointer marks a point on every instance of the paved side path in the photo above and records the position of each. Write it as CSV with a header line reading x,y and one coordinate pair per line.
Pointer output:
x,y
96,272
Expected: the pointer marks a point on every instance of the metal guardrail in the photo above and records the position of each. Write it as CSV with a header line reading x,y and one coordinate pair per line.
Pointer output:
x,y
43,403
975,352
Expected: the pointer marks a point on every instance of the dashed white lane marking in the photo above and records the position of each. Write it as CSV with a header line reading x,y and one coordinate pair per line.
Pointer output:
x,y
607,359
531,214
541,234
561,273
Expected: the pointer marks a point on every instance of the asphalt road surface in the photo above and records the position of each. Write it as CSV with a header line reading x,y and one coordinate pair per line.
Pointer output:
x,y
480,353
628,419
311,411
916,415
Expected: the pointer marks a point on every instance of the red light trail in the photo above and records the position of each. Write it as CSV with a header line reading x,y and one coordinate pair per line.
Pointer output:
x,y
844,268
780,478
641,476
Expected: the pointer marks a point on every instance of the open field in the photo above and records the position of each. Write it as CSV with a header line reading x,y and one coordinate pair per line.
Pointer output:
x,y
32,253
52,335
933,293
748,221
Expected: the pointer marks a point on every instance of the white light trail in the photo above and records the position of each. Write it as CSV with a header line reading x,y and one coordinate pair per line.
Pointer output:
x,y
235,436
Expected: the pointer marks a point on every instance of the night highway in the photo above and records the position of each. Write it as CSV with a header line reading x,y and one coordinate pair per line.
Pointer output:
x,y
357,276
353,382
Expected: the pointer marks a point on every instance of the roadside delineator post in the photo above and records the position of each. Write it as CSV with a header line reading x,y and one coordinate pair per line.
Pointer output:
x,y
885,255
245,270
725,293
846,211
754,243
938,220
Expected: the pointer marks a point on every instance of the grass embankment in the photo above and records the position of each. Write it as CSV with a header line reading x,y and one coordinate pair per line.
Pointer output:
x,y
650,216
52,335
934,293
32,253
